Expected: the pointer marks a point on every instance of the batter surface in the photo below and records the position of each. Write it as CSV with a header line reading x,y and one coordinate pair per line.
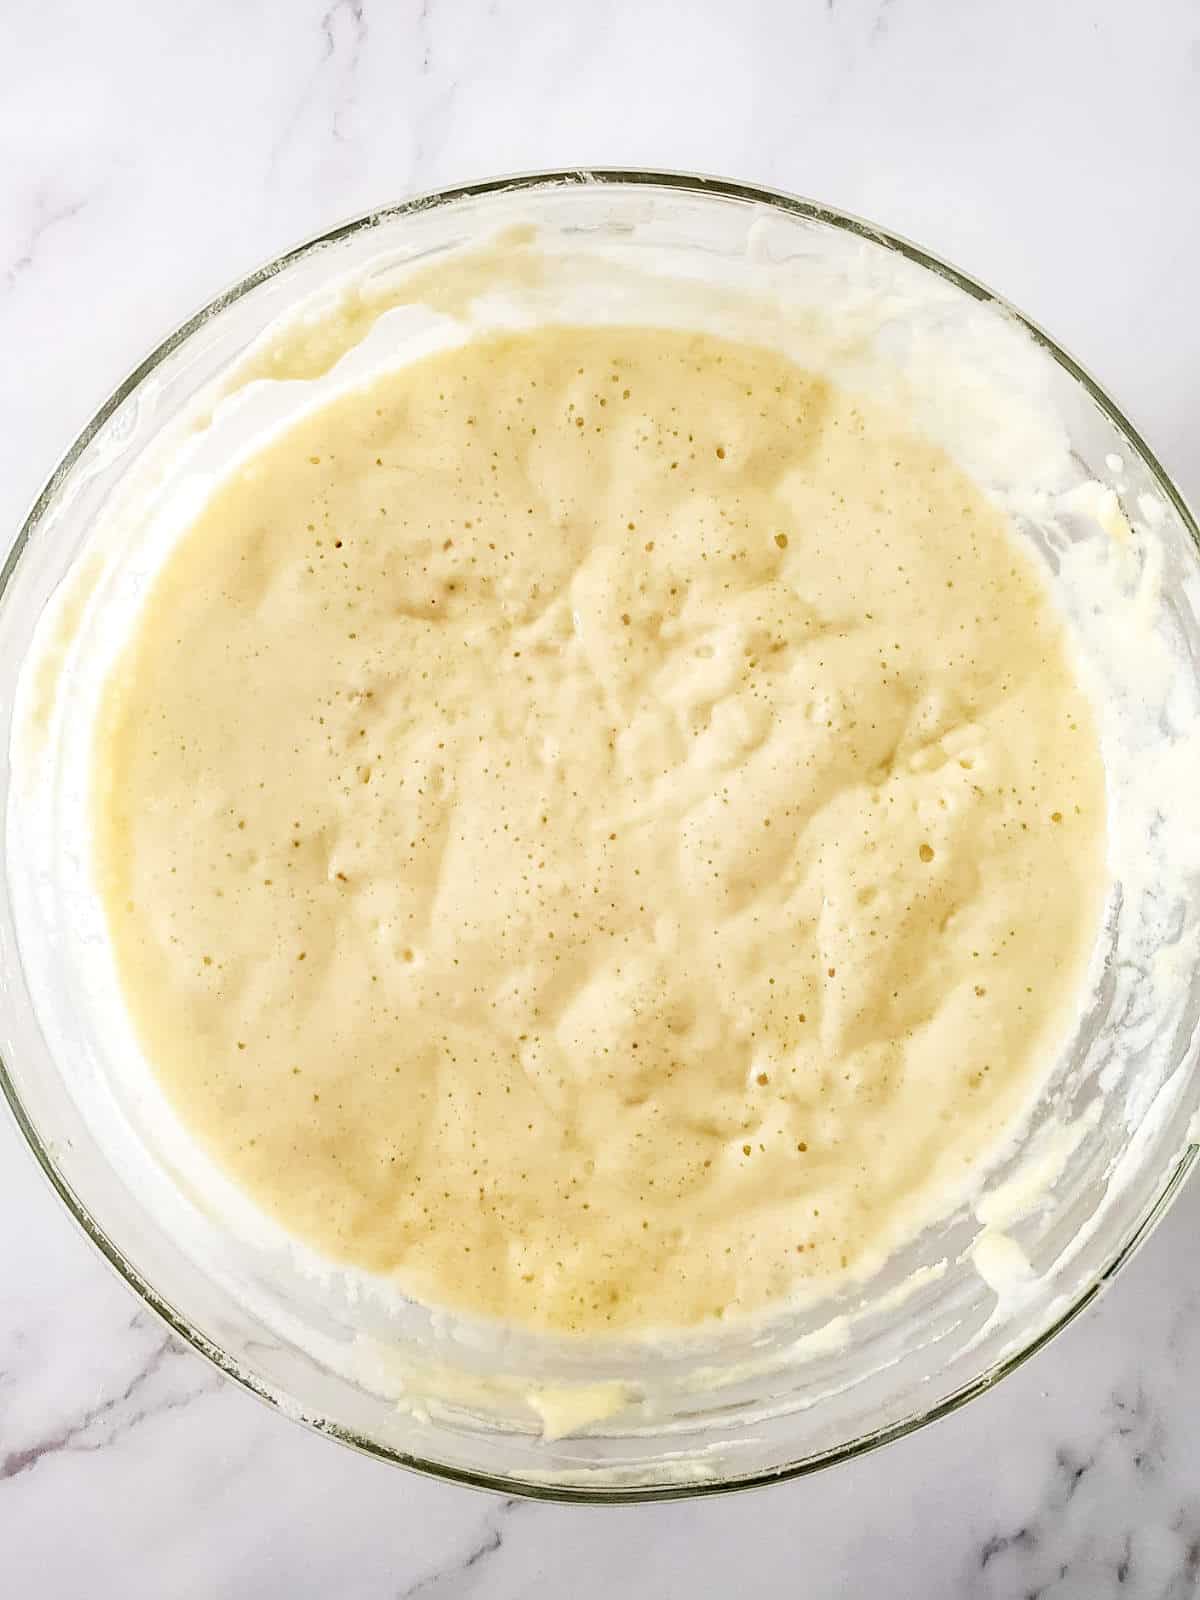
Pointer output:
x,y
601,827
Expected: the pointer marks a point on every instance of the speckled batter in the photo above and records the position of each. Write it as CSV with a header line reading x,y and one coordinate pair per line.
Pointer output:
x,y
600,827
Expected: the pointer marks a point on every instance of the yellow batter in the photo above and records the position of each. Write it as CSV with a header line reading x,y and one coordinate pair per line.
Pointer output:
x,y
601,827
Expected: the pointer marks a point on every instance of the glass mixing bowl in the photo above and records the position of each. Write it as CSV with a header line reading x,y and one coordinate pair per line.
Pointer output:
x,y
1105,1147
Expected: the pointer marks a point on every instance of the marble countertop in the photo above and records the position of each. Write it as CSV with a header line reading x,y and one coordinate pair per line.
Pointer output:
x,y
151,154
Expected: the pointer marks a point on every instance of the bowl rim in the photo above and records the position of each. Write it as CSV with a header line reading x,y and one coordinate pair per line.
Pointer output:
x,y
597,177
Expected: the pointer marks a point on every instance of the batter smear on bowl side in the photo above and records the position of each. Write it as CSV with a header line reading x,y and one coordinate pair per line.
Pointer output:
x,y
600,827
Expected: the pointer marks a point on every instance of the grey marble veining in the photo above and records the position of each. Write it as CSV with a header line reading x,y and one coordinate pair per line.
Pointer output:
x,y
149,156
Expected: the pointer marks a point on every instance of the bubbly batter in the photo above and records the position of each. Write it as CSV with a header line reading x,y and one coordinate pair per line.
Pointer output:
x,y
601,827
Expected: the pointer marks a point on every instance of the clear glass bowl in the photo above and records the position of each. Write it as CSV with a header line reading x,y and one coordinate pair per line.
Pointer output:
x,y
946,1319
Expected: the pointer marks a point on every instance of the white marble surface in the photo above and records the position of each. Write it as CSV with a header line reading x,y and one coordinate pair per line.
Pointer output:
x,y
151,153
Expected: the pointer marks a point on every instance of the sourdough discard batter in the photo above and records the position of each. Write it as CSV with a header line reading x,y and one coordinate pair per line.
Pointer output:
x,y
601,827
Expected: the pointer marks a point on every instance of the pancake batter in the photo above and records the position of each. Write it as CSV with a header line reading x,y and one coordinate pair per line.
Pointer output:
x,y
600,827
